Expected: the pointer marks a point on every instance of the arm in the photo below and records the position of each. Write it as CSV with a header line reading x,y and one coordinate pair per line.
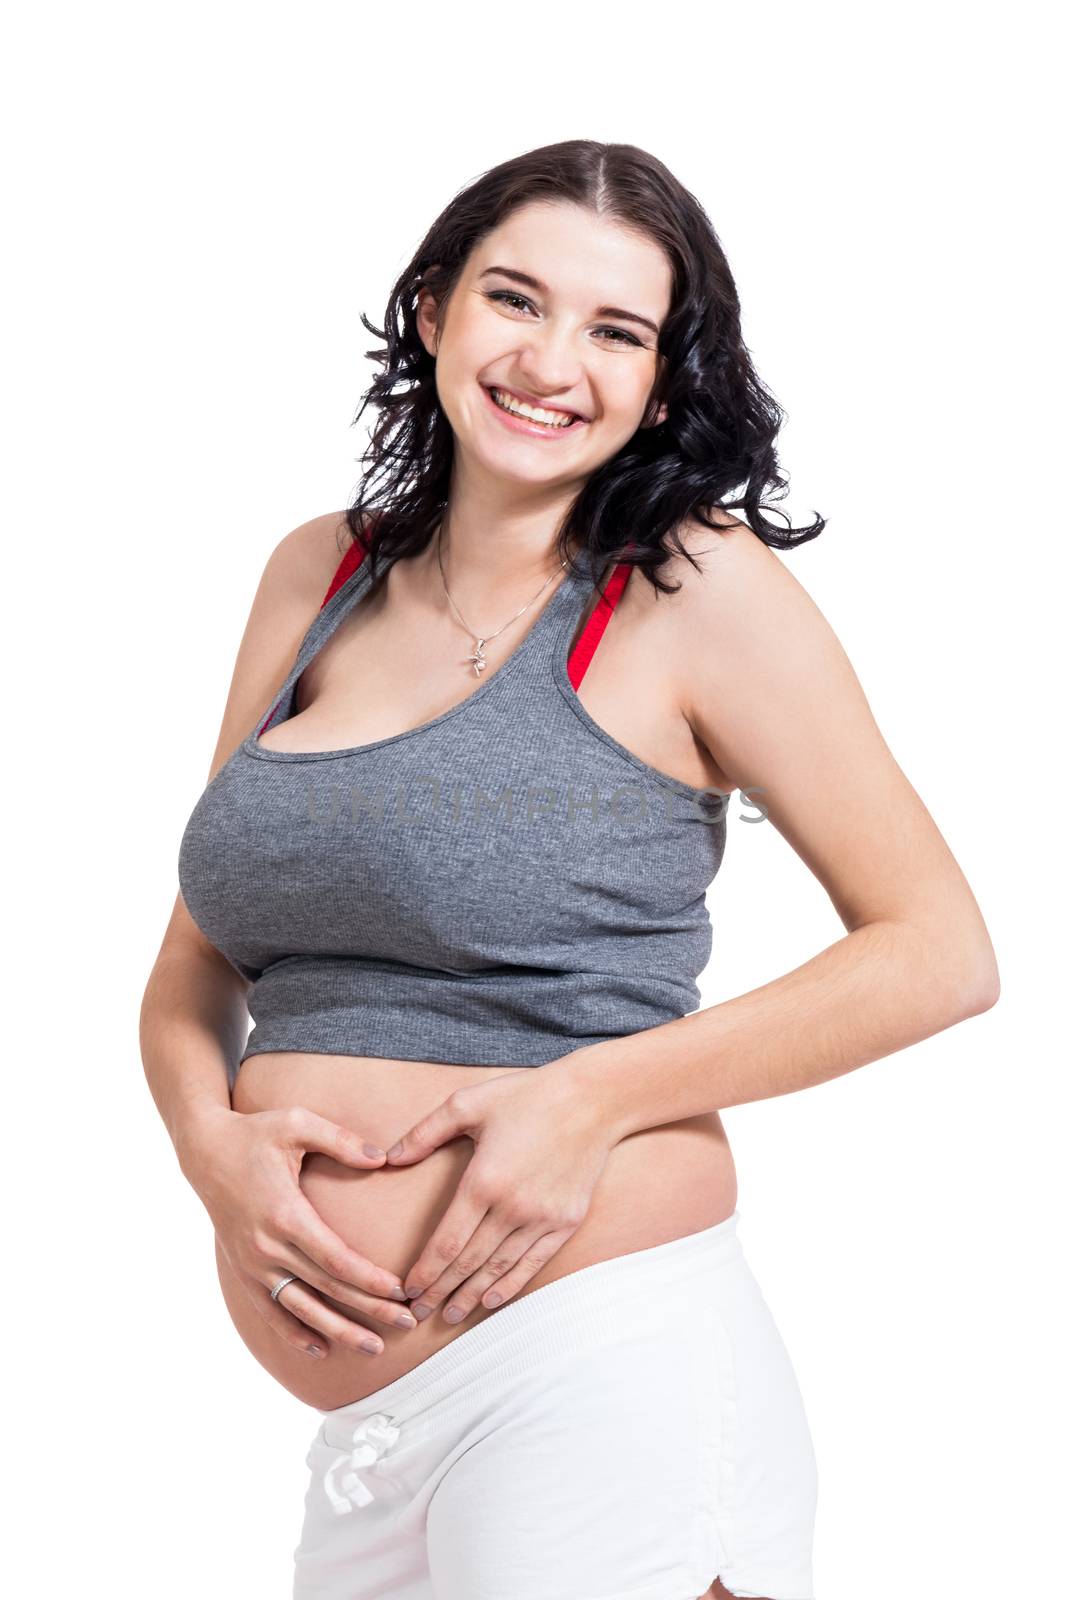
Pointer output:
x,y
246,1167
767,688
193,1025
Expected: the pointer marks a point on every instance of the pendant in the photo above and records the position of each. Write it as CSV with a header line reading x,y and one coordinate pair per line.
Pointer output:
x,y
478,657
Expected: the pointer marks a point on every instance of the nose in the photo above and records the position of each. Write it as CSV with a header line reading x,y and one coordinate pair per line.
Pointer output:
x,y
549,365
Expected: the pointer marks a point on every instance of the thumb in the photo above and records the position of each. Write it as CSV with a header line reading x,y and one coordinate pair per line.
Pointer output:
x,y
443,1123
328,1138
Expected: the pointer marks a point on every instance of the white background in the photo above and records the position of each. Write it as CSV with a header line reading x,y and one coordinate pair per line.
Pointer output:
x,y
201,200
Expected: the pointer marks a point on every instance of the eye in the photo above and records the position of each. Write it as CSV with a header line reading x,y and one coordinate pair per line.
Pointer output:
x,y
628,338
506,295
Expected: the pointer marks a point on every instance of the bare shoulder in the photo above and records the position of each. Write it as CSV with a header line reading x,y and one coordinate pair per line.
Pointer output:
x,y
290,591
738,598
725,558
301,565
760,675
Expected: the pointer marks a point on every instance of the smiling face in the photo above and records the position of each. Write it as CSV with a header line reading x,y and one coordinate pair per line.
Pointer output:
x,y
529,324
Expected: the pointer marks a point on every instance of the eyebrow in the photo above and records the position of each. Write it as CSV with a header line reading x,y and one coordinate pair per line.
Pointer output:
x,y
602,311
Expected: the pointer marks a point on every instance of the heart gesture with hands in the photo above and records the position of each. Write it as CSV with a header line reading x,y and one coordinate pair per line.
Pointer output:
x,y
540,1154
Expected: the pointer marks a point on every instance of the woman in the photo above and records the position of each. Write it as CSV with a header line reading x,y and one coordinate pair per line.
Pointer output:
x,y
433,864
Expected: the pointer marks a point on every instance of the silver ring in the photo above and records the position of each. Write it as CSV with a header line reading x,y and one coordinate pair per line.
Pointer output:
x,y
280,1285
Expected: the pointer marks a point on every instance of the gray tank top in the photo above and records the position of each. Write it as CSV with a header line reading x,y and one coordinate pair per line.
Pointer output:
x,y
498,887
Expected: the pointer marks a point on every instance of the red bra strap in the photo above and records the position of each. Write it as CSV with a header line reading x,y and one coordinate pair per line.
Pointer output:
x,y
590,636
349,562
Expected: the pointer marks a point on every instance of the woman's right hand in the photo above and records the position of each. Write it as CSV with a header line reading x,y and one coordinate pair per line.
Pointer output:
x,y
245,1166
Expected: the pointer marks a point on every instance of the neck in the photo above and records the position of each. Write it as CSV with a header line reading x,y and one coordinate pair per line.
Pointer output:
x,y
493,546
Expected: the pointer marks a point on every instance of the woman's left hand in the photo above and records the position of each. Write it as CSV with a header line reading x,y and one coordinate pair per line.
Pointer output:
x,y
540,1153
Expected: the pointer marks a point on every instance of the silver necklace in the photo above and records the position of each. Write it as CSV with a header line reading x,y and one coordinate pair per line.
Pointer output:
x,y
478,658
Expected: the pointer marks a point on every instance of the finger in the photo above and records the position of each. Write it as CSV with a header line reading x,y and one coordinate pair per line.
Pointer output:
x,y
526,1268
444,1122
484,1245
304,1228
448,1241
502,1261
347,1298
282,1322
312,1132
345,1331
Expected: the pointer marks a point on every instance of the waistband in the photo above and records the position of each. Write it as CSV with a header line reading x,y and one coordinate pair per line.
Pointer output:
x,y
577,1310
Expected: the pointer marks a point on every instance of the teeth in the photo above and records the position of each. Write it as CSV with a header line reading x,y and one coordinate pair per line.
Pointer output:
x,y
553,419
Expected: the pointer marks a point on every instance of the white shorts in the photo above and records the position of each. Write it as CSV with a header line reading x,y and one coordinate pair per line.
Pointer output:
x,y
629,1432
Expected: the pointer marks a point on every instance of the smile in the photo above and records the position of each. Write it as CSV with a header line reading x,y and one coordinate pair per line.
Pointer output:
x,y
542,422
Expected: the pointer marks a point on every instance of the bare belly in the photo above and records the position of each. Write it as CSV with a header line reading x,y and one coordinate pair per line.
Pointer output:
x,y
659,1184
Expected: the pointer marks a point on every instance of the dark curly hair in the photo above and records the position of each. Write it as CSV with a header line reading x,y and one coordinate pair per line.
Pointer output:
x,y
720,431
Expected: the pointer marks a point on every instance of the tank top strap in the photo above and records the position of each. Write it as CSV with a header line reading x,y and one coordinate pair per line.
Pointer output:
x,y
349,584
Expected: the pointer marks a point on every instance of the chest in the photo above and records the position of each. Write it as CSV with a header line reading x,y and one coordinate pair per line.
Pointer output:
x,y
394,668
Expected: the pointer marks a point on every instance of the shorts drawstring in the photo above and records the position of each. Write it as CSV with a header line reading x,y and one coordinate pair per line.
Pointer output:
x,y
370,1439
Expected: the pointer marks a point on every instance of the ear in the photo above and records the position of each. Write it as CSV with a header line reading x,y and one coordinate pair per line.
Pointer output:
x,y
426,320
656,412
653,418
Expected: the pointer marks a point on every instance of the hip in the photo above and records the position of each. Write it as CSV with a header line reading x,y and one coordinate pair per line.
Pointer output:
x,y
636,1428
